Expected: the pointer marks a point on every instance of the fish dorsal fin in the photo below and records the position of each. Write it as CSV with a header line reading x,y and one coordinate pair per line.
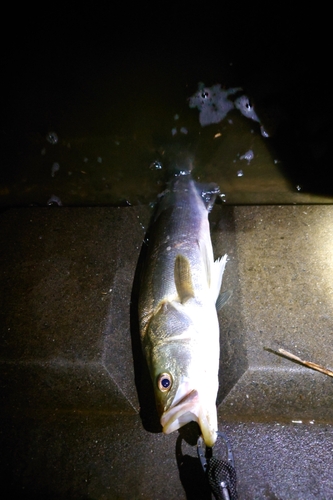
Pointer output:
x,y
207,261
214,271
217,275
183,278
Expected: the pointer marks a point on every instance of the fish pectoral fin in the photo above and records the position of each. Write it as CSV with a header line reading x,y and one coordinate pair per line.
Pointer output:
x,y
222,299
183,279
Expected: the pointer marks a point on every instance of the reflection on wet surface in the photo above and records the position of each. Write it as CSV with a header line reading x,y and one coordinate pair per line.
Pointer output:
x,y
127,166
85,125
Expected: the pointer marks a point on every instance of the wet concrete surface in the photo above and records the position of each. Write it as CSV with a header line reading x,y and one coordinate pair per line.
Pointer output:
x,y
72,423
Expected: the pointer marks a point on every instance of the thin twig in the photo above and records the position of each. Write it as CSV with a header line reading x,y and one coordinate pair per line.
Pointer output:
x,y
309,364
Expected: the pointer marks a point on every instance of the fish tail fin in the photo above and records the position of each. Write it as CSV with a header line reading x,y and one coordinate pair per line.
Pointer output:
x,y
180,160
182,165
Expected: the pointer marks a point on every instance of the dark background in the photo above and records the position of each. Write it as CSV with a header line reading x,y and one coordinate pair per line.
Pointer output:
x,y
281,56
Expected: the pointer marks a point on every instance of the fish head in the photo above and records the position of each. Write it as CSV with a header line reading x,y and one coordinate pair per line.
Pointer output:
x,y
185,387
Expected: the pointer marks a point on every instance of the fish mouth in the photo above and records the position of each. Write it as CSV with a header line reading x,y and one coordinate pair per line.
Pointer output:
x,y
189,409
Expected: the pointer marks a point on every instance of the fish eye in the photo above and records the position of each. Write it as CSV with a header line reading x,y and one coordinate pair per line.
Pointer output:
x,y
164,382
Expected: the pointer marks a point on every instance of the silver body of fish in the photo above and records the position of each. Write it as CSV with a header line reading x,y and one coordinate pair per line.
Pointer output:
x,y
179,327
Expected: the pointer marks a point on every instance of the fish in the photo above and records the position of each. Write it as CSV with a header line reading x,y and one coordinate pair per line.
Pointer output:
x,y
178,299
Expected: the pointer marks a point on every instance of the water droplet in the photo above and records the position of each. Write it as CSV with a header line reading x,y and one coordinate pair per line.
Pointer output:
x,y
263,131
52,138
249,155
155,165
55,168
54,200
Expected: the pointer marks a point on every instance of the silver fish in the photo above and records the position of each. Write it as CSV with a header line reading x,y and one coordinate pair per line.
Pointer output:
x,y
179,327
